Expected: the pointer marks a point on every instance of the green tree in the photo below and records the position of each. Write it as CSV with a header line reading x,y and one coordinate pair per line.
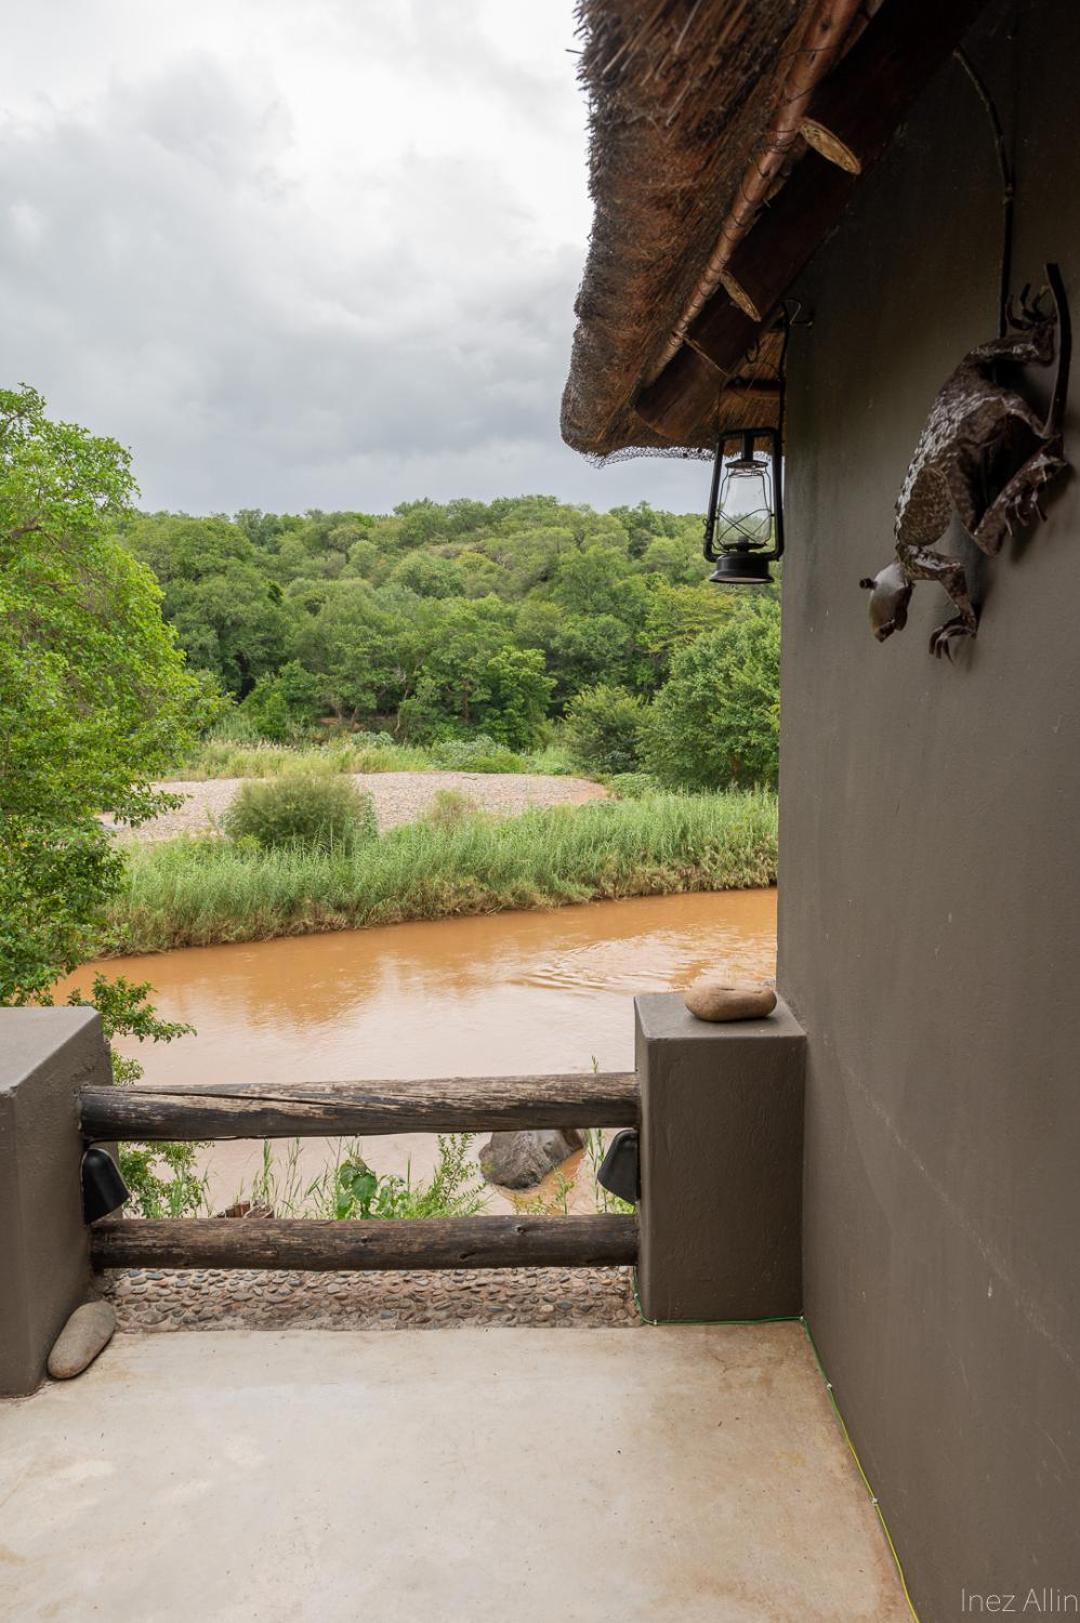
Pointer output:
x,y
678,615
281,706
218,594
361,643
365,603
601,580
603,729
94,697
428,574
473,676
94,700
514,705
716,722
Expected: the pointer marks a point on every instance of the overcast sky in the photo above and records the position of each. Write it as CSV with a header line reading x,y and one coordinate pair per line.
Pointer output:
x,y
304,253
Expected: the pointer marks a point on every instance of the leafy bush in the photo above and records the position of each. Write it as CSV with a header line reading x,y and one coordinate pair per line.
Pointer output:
x,y
349,1188
283,706
716,722
181,1194
353,1190
477,754
603,729
633,785
324,814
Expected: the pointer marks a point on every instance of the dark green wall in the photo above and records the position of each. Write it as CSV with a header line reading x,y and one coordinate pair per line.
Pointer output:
x,y
930,880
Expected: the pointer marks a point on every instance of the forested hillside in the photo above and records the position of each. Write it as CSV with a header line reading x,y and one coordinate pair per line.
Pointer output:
x,y
437,621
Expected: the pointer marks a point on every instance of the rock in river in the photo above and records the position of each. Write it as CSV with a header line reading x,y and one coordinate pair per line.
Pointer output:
x,y
711,1000
87,1331
522,1160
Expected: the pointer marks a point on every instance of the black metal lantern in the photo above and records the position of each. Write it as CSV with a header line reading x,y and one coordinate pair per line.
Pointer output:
x,y
744,530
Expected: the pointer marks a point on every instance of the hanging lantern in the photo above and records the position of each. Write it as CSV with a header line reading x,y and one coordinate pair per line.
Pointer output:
x,y
744,530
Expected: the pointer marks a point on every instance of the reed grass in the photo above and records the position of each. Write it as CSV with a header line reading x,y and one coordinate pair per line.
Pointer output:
x,y
362,752
196,892
221,758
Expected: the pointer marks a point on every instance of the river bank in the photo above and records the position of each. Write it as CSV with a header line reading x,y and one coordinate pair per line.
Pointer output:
x,y
398,797
200,892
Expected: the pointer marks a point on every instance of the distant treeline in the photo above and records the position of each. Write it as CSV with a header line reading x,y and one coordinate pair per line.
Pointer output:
x,y
436,620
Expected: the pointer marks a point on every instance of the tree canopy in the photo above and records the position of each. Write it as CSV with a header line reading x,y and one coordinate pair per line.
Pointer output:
x,y
95,699
716,722
437,619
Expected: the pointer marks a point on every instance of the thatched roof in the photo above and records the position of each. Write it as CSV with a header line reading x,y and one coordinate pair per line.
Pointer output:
x,y
685,97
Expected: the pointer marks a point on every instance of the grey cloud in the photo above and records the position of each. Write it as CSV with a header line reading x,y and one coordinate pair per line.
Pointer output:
x,y
166,279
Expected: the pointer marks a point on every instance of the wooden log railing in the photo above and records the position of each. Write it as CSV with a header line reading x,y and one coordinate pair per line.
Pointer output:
x,y
424,1242
332,1109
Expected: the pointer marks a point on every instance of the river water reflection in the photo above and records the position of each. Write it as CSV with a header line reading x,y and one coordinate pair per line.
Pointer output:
x,y
509,994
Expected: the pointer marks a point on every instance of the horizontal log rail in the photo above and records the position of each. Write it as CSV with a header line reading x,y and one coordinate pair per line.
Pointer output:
x,y
300,1243
337,1109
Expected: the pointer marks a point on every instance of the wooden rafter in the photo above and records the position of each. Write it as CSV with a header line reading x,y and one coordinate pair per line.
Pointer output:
x,y
848,124
854,112
682,398
765,263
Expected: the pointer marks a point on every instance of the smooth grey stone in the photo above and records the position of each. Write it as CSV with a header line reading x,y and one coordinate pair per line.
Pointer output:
x,y
523,1159
85,1334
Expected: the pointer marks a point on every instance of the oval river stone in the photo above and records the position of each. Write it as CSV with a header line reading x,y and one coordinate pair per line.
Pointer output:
x,y
88,1330
710,1000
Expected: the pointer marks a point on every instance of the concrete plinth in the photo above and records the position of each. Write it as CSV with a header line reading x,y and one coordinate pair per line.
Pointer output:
x,y
46,1055
721,1164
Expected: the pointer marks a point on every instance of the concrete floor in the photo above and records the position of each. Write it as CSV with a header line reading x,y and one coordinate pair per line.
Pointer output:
x,y
689,1474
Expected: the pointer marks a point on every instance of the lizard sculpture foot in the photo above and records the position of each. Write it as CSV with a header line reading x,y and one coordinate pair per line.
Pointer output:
x,y
1017,506
1027,314
942,639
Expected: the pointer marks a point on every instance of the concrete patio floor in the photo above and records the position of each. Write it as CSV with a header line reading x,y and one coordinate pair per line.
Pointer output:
x,y
682,1473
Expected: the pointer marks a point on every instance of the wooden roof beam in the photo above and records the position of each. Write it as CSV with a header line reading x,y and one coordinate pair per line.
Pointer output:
x,y
855,111
687,394
848,124
787,235
683,398
723,333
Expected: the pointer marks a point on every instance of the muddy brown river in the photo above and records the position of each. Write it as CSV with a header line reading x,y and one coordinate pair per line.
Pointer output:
x,y
509,994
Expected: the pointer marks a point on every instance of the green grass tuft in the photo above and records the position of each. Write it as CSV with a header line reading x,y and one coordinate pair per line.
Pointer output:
x,y
363,752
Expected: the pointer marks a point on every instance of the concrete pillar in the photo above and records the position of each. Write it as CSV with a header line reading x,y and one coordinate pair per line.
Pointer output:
x,y
721,1164
46,1055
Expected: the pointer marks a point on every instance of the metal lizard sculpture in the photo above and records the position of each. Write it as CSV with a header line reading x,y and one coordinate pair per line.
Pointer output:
x,y
977,427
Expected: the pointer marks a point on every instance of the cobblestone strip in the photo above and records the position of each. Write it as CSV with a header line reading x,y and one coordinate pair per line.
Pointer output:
x,y
228,1299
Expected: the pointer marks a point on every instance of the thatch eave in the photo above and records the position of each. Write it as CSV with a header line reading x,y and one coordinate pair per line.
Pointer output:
x,y
727,138
679,93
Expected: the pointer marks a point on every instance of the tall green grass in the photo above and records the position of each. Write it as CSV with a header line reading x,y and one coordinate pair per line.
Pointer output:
x,y
196,892
362,752
221,758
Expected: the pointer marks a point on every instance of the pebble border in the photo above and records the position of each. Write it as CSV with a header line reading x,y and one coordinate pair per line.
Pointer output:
x,y
151,1300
